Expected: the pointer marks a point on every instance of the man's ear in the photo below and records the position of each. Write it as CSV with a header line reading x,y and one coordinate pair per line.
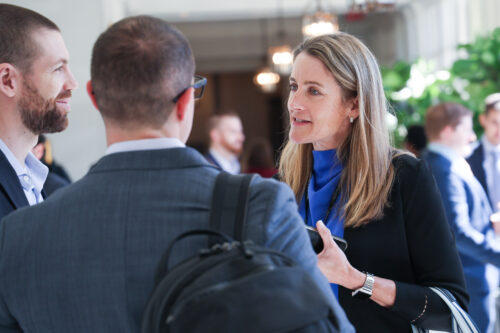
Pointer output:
x,y
90,92
446,132
482,120
183,104
10,79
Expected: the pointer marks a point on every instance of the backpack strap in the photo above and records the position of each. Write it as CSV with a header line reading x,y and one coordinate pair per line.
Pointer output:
x,y
229,204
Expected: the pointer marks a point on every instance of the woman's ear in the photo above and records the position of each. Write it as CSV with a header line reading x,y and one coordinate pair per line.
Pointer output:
x,y
353,108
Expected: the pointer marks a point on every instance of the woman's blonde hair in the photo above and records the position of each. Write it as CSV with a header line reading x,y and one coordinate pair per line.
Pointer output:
x,y
366,153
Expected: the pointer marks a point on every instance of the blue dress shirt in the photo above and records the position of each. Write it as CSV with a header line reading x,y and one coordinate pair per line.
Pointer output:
x,y
32,174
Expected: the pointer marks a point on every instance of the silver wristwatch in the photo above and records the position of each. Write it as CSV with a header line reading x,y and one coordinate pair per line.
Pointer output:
x,y
366,290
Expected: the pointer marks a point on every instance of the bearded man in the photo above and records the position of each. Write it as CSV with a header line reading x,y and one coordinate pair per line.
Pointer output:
x,y
226,142
35,92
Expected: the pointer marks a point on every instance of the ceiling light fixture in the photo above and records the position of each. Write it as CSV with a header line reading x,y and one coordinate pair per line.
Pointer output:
x,y
319,23
266,79
281,56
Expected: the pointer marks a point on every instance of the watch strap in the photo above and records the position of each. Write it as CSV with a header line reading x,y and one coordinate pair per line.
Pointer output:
x,y
366,290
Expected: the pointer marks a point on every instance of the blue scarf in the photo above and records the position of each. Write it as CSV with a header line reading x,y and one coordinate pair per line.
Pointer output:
x,y
324,180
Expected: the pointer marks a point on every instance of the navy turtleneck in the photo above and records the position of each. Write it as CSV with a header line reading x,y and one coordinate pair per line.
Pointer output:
x,y
324,180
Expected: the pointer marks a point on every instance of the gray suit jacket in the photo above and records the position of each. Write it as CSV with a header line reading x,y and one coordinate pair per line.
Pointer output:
x,y
84,259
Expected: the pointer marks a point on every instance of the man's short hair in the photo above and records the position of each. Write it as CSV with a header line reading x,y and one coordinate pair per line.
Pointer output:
x,y
441,115
139,65
216,119
492,103
17,24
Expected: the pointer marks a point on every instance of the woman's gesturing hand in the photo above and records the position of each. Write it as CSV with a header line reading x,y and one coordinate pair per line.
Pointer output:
x,y
333,263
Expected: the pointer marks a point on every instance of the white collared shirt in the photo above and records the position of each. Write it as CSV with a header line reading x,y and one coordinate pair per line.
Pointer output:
x,y
229,165
31,175
458,162
490,149
144,144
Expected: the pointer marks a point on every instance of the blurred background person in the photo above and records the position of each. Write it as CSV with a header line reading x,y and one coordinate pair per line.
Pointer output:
x,y
449,129
485,158
415,140
54,181
258,158
343,171
226,141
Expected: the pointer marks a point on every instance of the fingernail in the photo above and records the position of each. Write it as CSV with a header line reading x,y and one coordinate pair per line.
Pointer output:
x,y
320,222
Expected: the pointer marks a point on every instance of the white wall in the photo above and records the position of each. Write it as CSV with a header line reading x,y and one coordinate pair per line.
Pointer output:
x,y
436,27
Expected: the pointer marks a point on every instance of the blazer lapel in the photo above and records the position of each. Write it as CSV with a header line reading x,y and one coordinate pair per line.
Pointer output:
x,y
11,184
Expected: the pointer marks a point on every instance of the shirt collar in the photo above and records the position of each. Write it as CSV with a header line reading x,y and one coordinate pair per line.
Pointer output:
x,y
37,171
32,167
488,147
144,144
445,151
231,165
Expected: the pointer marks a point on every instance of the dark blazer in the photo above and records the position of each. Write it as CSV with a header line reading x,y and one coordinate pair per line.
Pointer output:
x,y
211,159
411,244
468,211
12,195
54,182
476,160
84,259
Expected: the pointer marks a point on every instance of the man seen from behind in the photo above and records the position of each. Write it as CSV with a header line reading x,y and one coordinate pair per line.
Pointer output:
x,y
84,260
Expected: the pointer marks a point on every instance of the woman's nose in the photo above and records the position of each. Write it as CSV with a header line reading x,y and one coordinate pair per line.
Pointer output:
x,y
295,101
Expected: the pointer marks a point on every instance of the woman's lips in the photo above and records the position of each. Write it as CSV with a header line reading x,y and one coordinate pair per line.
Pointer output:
x,y
300,122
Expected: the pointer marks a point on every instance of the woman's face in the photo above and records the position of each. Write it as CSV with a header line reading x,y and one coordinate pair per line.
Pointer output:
x,y
317,112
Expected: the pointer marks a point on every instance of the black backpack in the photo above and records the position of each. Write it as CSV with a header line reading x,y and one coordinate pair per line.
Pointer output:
x,y
234,285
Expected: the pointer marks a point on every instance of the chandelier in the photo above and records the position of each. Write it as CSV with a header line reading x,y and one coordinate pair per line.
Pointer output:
x,y
319,23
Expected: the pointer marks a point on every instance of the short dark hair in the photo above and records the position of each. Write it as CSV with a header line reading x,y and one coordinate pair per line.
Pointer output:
x,y
17,46
444,114
139,65
216,119
492,102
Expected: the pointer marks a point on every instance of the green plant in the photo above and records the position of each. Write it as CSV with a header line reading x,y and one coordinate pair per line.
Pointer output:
x,y
471,78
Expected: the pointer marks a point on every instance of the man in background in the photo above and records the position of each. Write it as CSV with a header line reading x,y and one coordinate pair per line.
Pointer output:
x,y
35,92
449,130
226,142
90,251
485,159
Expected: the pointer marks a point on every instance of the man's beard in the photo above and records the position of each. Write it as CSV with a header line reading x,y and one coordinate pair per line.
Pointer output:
x,y
235,150
40,115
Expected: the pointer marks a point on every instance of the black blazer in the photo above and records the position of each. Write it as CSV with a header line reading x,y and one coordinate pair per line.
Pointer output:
x,y
12,195
475,161
411,244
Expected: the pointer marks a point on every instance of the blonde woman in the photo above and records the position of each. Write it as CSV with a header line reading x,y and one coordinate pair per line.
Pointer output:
x,y
341,166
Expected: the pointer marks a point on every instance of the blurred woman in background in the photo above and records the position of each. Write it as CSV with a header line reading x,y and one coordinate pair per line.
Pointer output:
x,y
258,158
